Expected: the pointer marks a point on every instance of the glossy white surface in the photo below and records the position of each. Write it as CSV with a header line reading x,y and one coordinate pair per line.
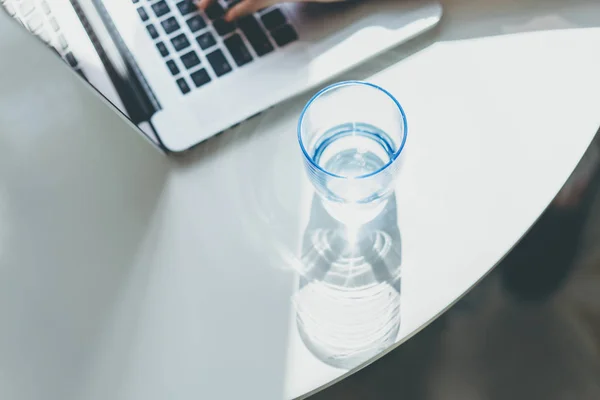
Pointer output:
x,y
125,275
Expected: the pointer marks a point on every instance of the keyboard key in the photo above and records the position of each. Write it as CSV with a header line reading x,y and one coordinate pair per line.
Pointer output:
x,y
284,35
45,36
143,14
80,72
62,42
71,59
223,27
162,49
255,35
190,59
152,31
238,50
183,86
170,25
45,8
214,11
161,8
10,9
219,63
200,77
35,23
273,19
54,24
26,7
206,40
180,42
196,23
172,67
186,6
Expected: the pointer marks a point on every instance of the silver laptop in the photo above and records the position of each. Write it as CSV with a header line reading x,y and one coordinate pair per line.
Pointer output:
x,y
183,76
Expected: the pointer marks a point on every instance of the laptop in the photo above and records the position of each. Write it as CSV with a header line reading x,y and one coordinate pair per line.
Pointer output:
x,y
182,75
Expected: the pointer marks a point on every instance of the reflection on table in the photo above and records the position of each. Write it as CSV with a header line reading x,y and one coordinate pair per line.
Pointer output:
x,y
348,300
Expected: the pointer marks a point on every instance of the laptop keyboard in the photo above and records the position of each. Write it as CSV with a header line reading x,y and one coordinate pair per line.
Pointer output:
x,y
198,47
38,18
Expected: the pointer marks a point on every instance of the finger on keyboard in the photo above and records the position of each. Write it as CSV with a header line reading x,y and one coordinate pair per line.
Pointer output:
x,y
202,4
246,7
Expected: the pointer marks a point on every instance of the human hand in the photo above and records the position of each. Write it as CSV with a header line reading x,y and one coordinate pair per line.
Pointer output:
x,y
245,7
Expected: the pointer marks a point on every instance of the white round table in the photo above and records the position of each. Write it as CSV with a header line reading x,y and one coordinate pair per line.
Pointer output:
x,y
128,275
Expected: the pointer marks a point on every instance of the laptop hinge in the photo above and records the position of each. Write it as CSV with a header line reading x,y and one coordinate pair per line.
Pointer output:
x,y
133,89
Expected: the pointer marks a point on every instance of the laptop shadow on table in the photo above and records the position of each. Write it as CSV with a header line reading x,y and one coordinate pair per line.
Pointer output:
x,y
76,203
65,263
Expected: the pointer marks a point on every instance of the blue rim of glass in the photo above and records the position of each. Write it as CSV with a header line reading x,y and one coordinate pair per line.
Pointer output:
x,y
348,83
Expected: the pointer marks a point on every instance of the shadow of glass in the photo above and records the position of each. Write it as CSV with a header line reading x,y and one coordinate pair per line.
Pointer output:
x,y
348,299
